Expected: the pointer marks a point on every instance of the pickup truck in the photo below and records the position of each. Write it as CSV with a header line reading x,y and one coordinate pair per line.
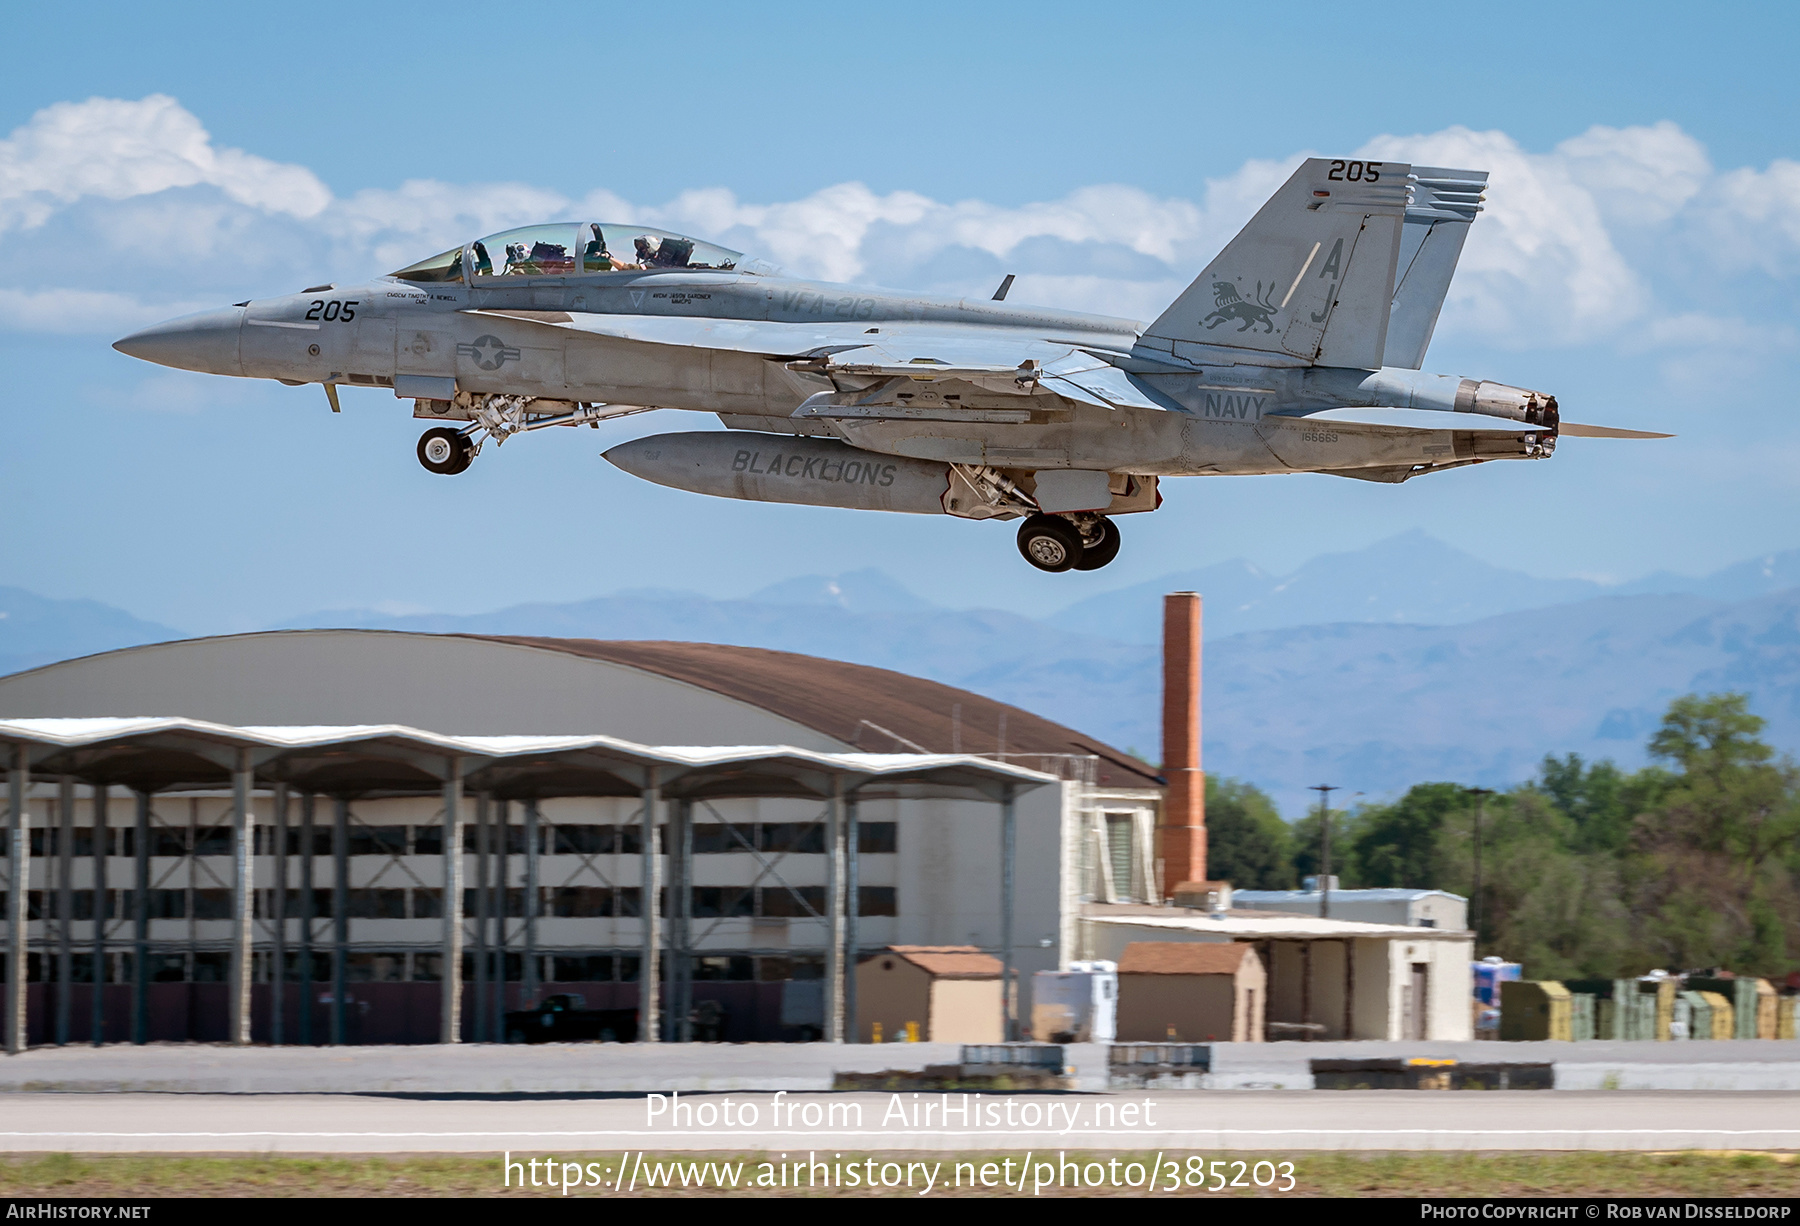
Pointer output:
x,y
565,1018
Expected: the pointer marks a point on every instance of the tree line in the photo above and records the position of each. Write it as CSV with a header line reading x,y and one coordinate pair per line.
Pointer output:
x,y
1585,871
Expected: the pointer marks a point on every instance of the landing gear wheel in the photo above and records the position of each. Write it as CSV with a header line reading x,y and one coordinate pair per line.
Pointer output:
x,y
446,451
1102,551
1050,543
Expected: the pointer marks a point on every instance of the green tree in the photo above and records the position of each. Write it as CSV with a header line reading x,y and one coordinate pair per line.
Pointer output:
x,y
1247,843
1397,844
1308,847
1712,872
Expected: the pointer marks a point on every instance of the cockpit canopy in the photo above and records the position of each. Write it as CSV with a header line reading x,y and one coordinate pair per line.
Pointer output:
x,y
568,249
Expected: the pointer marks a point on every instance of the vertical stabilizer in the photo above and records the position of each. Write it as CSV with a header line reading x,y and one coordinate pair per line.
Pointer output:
x,y
1311,276
1444,205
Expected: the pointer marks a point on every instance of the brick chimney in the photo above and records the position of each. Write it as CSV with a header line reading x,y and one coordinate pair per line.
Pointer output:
x,y
1181,834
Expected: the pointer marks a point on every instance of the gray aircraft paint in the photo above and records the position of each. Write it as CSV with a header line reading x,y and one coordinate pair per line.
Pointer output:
x,y
1325,301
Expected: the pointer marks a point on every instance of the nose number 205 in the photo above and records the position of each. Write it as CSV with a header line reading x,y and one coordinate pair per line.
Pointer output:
x,y
334,311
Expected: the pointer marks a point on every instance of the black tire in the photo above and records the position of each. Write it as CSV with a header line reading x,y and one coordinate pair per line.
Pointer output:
x,y
443,450
515,1035
1102,551
1050,543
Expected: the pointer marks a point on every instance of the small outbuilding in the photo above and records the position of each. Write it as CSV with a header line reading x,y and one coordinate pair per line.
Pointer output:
x,y
1191,992
949,993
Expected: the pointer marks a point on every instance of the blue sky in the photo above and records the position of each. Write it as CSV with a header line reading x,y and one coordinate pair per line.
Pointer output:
x,y
1640,258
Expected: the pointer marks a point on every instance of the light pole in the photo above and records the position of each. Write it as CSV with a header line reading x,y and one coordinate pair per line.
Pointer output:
x,y
1480,795
1324,790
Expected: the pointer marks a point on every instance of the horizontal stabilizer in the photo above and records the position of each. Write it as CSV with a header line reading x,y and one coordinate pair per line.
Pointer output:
x,y
1574,429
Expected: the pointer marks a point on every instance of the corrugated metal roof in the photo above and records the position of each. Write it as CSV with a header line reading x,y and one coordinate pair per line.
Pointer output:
x,y
1254,925
1183,958
1389,894
842,700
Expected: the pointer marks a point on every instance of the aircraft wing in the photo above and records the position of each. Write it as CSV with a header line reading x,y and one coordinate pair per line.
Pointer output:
x,y
998,361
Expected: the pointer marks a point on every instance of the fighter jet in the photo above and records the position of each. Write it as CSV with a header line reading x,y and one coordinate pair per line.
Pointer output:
x,y
1322,307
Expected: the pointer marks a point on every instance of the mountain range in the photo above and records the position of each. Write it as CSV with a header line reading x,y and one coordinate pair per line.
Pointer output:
x,y
1371,670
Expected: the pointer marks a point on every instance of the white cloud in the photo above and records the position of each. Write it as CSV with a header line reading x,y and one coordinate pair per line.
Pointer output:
x,y
77,311
1540,264
116,149
1550,263
1637,176
1752,219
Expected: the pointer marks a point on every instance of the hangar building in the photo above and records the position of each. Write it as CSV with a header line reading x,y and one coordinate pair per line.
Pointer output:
x,y
553,902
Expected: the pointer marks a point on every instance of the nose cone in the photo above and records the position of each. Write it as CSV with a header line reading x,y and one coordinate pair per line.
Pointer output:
x,y
207,342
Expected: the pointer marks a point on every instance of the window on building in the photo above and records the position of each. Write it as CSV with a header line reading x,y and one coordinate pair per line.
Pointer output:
x,y
779,902
212,841
877,900
167,968
877,838
716,902
378,904
716,967
384,840
582,968
212,905
165,841
212,967
775,969
376,968
581,902
805,838
1121,833
716,838
574,840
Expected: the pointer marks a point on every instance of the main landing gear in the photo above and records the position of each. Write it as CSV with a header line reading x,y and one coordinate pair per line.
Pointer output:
x,y
446,451
1068,542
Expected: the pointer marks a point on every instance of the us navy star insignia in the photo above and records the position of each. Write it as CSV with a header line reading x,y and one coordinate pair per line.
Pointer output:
x,y
489,352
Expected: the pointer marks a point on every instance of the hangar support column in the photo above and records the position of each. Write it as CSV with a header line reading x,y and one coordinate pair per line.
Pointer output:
x,y
65,906
681,921
649,907
307,998
480,1001
18,886
140,921
1009,844
340,913
534,835
243,897
97,989
852,909
450,1023
501,907
278,918
834,913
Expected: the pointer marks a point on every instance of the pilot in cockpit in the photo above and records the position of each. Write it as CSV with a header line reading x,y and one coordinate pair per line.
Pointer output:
x,y
657,252
596,258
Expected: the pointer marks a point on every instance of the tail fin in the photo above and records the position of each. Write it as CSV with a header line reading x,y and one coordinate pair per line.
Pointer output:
x,y
1311,276
1443,207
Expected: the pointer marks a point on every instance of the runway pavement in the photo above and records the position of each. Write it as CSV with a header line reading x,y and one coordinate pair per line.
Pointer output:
x,y
1174,1121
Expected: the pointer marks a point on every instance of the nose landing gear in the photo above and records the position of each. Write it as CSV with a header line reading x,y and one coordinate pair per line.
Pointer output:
x,y
1068,542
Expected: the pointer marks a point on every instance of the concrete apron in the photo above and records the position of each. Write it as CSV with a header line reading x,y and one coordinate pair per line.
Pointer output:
x,y
557,1068
1044,1125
